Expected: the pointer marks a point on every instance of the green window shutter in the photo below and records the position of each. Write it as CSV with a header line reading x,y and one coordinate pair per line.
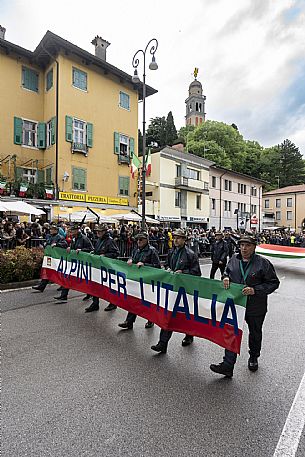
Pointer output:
x,y
49,175
29,79
41,135
116,143
18,173
53,133
17,130
123,185
69,129
40,176
131,147
89,135
49,79
79,178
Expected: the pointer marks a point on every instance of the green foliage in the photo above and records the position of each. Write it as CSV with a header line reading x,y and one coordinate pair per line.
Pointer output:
x,y
170,130
20,264
156,132
184,131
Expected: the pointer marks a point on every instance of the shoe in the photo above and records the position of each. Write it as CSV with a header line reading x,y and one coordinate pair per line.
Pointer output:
x,y
187,340
38,288
86,297
91,308
149,324
60,288
253,363
160,347
63,299
223,368
126,325
110,307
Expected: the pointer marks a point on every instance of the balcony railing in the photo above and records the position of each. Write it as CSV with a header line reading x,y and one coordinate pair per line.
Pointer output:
x,y
79,147
181,181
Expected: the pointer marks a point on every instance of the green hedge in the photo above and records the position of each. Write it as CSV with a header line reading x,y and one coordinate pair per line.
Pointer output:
x,y
20,264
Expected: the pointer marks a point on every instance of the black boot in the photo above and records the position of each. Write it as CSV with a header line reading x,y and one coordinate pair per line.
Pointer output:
x,y
149,324
160,347
87,297
253,363
110,307
41,289
187,340
126,325
62,299
92,307
223,368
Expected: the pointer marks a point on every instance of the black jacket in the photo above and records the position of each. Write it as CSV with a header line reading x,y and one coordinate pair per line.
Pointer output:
x,y
57,239
107,247
148,255
81,242
262,277
219,251
183,259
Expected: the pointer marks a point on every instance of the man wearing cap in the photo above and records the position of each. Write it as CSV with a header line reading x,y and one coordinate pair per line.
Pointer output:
x,y
79,243
219,254
144,254
183,260
259,278
105,247
230,242
53,239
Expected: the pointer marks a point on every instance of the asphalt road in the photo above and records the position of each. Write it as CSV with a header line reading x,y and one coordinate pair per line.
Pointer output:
x,y
74,384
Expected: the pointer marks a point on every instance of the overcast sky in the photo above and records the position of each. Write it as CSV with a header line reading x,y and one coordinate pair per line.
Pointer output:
x,y
250,53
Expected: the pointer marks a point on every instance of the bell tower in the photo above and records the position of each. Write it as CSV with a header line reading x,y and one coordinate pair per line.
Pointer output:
x,y
195,103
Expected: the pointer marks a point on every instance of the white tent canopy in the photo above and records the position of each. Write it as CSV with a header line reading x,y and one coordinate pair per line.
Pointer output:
x,y
20,208
133,217
78,216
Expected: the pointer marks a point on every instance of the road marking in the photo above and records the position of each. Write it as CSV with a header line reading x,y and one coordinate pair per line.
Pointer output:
x,y
291,433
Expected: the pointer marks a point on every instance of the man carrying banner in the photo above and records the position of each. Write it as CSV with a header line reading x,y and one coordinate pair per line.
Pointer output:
x,y
147,255
219,254
183,260
79,243
53,239
259,279
105,247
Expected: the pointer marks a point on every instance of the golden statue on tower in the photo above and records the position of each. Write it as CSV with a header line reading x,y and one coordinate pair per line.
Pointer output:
x,y
196,72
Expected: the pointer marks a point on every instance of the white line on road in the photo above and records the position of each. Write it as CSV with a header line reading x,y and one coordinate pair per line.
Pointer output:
x,y
291,434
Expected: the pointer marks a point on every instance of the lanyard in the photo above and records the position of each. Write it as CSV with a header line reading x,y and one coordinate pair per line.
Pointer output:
x,y
177,259
245,273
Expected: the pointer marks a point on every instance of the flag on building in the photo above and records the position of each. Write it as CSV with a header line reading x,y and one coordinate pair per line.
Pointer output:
x,y
23,189
2,186
135,165
49,193
148,163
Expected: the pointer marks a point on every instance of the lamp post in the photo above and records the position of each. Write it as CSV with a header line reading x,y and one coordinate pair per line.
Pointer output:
x,y
252,189
152,45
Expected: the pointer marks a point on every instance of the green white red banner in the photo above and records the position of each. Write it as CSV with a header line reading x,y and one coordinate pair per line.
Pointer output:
x,y
285,252
182,303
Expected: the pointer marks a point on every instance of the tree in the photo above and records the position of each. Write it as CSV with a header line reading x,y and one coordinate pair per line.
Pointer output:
x,y
156,132
171,132
208,150
184,131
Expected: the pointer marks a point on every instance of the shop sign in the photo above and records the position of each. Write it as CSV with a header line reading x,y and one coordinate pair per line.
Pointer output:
x,y
79,197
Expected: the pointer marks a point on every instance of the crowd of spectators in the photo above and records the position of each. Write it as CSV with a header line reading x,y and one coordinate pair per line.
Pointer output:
x,y
34,234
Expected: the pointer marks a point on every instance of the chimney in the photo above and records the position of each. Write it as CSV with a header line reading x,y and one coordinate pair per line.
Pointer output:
x,y
2,32
100,47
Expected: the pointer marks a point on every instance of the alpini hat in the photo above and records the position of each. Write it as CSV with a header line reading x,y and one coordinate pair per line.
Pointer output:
x,y
101,228
219,233
143,235
179,232
54,227
74,227
247,239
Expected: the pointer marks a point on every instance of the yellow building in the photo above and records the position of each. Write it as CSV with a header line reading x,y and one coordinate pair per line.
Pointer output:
x,y
68,126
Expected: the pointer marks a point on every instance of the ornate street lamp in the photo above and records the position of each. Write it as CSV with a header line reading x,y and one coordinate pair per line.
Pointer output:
x,y
152,45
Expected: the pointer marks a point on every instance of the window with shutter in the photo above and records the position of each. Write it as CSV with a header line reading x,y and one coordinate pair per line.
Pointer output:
x,y
116,143
17,130
89,135
124,100
53,135
49,79
79,178
29,79
49,175
124,185
41,135
69,129
79,79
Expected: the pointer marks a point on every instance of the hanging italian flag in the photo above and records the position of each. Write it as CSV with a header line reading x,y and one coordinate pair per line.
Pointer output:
x,y
2,186
148,163
23,189
49,193
284,252
135,165
179,302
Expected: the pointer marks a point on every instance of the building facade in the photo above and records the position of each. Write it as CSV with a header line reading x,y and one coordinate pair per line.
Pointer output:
x,y
195,104
285,207
68,126
177,191
235,200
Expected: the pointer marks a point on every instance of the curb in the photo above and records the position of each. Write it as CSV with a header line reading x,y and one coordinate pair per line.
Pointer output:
x,y
19,285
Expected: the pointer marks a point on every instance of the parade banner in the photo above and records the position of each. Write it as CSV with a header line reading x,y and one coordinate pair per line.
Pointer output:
x,y
284,252
179,302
